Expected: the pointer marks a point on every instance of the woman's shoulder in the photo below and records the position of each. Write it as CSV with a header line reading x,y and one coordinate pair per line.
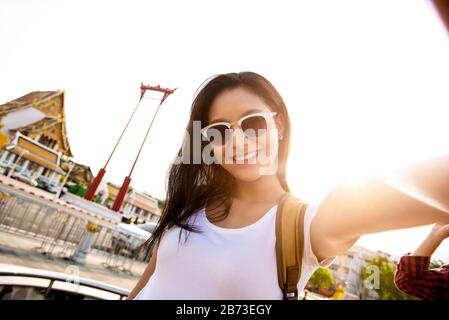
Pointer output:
x,y
193,217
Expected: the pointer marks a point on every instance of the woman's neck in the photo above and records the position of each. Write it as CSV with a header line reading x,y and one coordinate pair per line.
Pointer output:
x,y
265,189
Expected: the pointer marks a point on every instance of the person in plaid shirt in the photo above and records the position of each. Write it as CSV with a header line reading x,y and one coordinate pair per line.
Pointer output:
x,y
413,275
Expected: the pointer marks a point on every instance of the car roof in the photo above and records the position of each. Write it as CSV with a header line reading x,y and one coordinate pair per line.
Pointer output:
x,y
11,270
133,230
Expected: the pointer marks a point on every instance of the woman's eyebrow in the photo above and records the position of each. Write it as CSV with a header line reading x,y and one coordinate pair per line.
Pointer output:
x,y
241,116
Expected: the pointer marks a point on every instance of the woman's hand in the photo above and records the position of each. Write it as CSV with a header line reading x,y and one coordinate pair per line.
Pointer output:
x,y
440,231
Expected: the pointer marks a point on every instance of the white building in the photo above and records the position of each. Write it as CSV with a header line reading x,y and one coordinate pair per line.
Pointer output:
x,y
347,271
137,205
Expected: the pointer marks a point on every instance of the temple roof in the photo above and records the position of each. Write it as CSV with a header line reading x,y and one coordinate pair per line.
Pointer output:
x,y
25,101
50,103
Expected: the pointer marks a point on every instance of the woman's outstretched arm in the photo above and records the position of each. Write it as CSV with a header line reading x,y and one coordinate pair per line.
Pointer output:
x,y
414,196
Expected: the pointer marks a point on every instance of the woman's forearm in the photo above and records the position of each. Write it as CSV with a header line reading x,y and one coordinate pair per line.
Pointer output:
x,y
428,246
427,181
415,196
438,233
380,206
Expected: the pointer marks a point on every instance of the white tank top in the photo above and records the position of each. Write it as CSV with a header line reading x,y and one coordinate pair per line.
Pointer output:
x,y
224,263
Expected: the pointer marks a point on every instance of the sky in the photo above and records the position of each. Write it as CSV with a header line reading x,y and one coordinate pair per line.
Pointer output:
x,y
365,82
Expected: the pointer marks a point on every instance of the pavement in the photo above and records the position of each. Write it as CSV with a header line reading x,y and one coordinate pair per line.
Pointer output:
x,y
22,250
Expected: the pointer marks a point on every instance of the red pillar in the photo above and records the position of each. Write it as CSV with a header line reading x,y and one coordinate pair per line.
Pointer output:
x,y
121,194
94,185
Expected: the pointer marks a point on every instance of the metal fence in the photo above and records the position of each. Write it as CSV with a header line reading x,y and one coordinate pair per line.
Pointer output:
x,y
61,230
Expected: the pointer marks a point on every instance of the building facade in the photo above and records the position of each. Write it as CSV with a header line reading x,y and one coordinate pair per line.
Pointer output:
x,y
136,205
347,272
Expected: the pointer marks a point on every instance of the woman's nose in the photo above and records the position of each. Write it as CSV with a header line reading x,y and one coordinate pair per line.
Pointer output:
x,y
239,141
238,136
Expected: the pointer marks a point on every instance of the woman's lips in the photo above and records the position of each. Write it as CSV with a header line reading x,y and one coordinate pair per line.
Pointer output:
x,y
250,156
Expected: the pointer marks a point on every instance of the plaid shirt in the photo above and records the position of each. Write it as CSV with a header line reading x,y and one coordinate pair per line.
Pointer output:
x,y
414,278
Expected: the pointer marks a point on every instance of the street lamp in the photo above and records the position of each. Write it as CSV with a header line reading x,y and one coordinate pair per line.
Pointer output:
x,y
72,165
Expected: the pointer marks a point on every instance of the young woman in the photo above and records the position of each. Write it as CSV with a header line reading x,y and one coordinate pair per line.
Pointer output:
x,y
226,208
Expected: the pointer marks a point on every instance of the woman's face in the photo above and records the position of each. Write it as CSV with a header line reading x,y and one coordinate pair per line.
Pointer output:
x,y
246,156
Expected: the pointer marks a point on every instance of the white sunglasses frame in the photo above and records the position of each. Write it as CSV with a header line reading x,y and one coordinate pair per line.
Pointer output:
x,y
267,115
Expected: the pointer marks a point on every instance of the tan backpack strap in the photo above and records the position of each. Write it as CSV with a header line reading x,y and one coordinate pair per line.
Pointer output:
x,y
289,243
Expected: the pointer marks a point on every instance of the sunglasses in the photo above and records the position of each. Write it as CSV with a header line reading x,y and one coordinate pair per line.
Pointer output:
x,y
252,126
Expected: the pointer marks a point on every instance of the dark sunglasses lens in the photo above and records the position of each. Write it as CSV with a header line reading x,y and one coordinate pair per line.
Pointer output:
x,y
252,125
217,134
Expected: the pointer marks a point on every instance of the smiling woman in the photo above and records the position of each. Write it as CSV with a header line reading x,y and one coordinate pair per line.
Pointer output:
x,y
227,210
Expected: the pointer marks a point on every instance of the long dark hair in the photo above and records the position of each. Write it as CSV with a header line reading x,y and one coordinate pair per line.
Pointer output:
x,y
192,185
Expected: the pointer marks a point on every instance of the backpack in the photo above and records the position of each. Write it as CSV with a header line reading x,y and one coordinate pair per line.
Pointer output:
x,y
289,243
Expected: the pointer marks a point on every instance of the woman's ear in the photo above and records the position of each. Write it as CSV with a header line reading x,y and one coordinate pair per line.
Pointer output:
x,y
279,120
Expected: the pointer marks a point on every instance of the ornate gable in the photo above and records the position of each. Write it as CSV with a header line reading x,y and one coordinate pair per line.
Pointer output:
x,y
51,103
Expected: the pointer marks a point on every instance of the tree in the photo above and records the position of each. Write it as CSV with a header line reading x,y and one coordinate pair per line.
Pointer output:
x,y
436,264
386,289
77,189
321,279
161,204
